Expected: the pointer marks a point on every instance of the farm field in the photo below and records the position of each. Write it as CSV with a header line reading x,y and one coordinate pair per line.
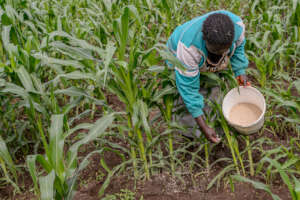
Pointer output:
x,y
87,103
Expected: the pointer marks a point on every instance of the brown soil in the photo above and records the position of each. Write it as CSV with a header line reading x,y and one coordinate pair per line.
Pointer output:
x,y
162,186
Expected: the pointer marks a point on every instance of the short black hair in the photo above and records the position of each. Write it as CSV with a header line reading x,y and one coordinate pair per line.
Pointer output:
x,y
218,30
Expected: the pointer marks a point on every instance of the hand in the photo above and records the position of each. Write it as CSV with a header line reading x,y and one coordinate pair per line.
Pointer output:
x,y
209,133
242,80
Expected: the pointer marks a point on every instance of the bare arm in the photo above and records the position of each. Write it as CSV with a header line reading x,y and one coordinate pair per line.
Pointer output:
x,y
210,133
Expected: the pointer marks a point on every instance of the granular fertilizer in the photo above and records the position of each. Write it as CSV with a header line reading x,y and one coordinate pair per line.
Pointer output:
x,y
244,114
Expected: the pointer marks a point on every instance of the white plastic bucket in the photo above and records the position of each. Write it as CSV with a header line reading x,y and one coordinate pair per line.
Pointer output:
x,y
244,95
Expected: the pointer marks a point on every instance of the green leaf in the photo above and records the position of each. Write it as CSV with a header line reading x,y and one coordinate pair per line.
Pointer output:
x,y
167,55
12,14
76,53
72,104
123,32
71,188
56,145
4,154
5,36
5,20
107,4
109,176
6,161
160,93
109,52
97,130
135,13
289,163
225,170
135,116
31,26
157,69
30,161
283,174
46,186
6,40
2,82
37,83
73,91
58,33
295,3
31,165
297,187
297,85
55,61
14,89
25,79
257,185
77,42
86,126
75,75
144,115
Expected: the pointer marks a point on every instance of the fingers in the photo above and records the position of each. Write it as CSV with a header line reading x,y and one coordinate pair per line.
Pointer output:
x,y
216,140
239,80
209,133
213,137
242,80
245,81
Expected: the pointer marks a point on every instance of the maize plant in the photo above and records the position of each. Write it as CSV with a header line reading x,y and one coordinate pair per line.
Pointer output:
x,y
62,61
62,168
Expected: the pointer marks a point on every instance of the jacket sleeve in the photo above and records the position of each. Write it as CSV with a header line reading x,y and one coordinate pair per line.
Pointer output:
x,y
239,61
188,79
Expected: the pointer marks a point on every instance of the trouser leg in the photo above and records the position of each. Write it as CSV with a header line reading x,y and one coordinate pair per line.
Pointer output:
x,y
186,120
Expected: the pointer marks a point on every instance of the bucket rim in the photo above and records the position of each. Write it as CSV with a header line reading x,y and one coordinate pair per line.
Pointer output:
x,y
261,115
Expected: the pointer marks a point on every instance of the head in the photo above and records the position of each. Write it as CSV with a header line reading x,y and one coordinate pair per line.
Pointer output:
x,y
218,33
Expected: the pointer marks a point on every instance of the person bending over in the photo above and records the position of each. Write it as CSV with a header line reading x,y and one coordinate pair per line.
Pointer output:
x,y
206,44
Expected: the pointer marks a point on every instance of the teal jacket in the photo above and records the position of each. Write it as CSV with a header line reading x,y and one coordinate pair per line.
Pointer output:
x,y
188,46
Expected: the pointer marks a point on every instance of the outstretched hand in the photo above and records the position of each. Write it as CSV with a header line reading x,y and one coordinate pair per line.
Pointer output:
x,y
242,80
209,133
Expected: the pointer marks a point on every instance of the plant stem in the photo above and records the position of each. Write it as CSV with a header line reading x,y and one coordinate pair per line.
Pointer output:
x,y
250,156
2,166
132,149
170,139
237,151
206,157
229,139
143,153
93,111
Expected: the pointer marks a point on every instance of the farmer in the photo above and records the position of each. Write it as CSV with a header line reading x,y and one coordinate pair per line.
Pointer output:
x,y
206,44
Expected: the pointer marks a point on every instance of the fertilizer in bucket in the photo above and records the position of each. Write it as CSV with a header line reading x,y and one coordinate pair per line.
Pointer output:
x,y
244,109
244,114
